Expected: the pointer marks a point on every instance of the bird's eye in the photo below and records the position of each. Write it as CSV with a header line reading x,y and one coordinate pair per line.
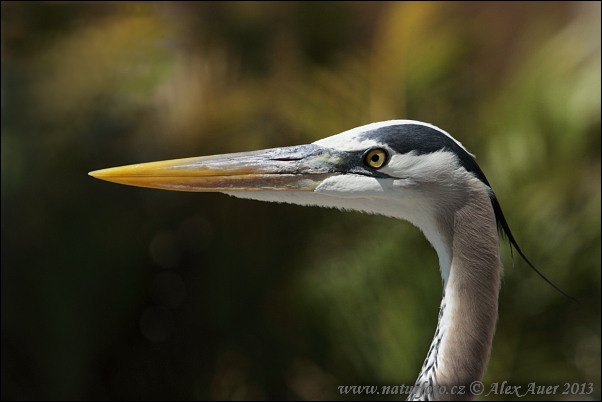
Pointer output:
x,y
375,158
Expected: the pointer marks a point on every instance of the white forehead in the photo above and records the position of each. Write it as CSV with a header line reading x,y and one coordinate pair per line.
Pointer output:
x,y
353,140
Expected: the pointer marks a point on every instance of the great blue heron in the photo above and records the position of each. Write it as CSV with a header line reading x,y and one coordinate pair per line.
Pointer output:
x,y
400,168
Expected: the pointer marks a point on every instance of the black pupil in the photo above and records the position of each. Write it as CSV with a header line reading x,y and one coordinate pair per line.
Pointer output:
x,y
375,158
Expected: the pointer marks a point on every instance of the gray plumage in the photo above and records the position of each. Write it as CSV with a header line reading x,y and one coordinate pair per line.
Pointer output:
x,y
400,168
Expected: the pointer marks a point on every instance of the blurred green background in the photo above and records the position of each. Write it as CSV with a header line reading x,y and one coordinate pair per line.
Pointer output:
x,y
115,292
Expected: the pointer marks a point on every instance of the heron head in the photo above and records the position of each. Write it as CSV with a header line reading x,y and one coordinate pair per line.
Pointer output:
x,y
397,168
400,168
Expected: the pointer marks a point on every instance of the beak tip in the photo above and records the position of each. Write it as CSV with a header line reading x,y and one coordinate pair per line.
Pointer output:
x,y
100,174
94,173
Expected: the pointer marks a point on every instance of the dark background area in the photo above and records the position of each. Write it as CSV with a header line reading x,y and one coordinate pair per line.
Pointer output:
x,y
115,292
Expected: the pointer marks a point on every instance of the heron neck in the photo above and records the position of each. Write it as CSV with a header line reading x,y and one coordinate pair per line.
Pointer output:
x,y
471,270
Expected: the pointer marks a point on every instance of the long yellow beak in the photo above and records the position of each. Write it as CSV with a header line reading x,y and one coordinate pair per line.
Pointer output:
x,y
299,168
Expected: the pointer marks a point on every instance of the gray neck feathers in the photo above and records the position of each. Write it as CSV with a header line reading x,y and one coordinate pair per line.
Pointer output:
x,y
461,346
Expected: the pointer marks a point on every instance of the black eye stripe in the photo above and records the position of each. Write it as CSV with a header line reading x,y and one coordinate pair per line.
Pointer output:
x,y
421,140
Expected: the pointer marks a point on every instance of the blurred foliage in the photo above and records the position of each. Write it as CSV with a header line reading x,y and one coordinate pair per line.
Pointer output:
x,y
113,292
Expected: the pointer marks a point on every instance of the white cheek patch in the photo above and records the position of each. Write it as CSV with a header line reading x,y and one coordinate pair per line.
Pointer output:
x,y
425,166
353,186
